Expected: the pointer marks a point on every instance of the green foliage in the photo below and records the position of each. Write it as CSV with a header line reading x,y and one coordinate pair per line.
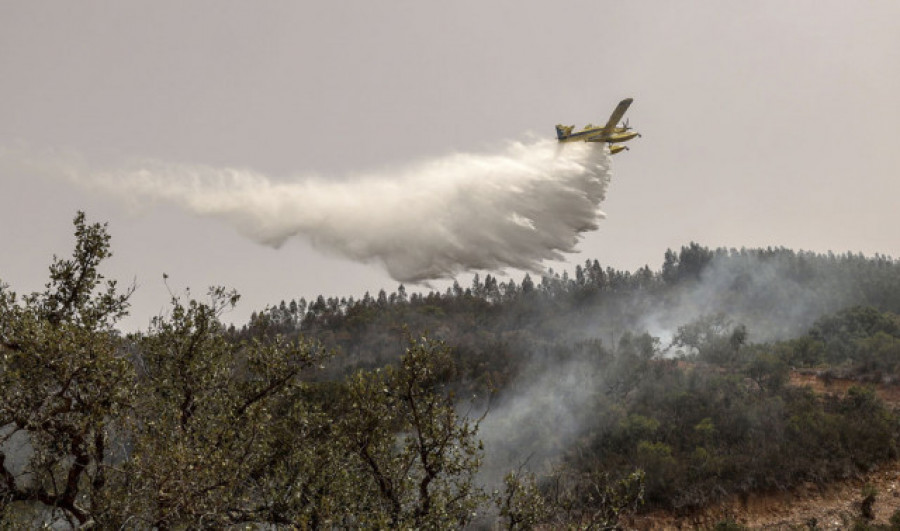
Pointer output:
x,y
729,424
844,333
210,414
592,499
406,437
687,265
184,427
768,370
521,504
638,427
71,295
878,354
801,352
859,342
712,338
62,378
192,424
702,433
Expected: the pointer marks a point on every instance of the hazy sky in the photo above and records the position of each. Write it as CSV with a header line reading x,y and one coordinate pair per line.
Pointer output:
x,y
764,123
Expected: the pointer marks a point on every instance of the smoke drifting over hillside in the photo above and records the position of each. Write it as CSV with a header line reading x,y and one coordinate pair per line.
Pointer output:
x,y
516,208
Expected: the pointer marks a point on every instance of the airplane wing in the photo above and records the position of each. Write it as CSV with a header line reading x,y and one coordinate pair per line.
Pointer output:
x,y
617,114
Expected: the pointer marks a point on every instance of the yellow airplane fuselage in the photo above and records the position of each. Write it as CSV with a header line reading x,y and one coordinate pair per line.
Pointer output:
x,y
598,134
610,133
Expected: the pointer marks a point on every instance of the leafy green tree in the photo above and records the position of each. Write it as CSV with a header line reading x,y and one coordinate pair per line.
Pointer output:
x,y
62,378
769,371
521,504
713,338
879,353
687,265
414,450
801,352
841,332
593,499
181,426
212,422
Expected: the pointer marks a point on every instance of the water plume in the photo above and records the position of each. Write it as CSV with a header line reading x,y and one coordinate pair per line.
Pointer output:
x,y
528,203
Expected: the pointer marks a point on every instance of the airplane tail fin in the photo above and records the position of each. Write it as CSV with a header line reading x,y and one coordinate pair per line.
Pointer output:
x,y
560,132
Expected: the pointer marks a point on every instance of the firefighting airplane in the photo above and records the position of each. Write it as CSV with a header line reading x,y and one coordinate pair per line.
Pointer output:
x,y
610,133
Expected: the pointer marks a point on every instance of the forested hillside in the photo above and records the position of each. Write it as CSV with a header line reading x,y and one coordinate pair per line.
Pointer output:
x,y
773,293
562,399
679,372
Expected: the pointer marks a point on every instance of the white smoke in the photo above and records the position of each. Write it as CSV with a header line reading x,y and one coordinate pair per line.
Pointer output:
x,y
430,220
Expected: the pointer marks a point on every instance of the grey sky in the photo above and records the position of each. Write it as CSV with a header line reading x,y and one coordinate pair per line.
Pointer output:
x,y
764,123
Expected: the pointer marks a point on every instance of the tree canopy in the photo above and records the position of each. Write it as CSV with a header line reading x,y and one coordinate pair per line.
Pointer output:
x,y
555,401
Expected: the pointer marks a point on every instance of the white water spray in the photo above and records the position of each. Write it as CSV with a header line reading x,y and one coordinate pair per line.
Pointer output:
x,y
430,220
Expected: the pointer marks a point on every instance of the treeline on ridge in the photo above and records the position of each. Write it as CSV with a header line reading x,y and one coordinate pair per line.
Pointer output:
x,y
774,293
